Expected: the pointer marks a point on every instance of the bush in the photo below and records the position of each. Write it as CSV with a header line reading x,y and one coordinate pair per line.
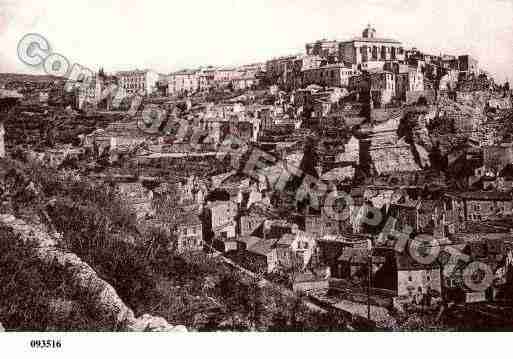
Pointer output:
x,y
34,296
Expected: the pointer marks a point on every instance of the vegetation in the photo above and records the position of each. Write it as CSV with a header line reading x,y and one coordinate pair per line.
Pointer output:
x,y
36,297
196,290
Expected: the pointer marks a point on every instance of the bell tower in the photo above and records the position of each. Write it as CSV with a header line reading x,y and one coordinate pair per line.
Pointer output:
x,y
369,32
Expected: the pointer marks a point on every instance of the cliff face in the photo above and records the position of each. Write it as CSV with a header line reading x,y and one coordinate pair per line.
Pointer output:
x,y
101,297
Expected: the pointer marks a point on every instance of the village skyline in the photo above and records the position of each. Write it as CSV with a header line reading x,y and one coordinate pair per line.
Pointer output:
x,y
434,27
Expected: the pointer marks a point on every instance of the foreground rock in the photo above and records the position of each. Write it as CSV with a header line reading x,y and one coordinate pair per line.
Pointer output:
x,y
101,296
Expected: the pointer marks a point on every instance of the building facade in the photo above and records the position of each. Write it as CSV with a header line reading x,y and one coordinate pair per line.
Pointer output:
x,y
335,75
186,81
189,234
369,48
138,81
379,84
323,48
411,80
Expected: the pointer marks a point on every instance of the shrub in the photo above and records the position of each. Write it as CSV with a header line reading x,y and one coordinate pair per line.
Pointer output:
x,y
35,296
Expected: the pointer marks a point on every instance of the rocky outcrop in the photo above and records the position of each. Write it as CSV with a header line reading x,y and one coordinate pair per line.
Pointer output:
x,y
101,297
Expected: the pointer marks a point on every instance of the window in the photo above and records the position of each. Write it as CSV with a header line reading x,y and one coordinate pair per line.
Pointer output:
x,y
410,279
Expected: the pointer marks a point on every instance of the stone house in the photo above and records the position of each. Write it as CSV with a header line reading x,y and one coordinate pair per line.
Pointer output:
x,y
414,279
411,80
353,263
189,234
319,225
438,217
256,254
250,222
263,256
468,65
483,205
497,157
295,250
486,248
333,75
219,219
380,84
311,280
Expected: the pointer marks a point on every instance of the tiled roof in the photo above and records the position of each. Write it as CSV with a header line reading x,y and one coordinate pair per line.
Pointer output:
x,y
487,196
249,241
262,247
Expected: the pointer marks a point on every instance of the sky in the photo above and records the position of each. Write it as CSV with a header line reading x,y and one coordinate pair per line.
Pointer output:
x,y
171,35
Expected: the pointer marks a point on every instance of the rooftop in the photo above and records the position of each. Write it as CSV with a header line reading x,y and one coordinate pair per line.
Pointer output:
x,y
487,196
262,247
373,39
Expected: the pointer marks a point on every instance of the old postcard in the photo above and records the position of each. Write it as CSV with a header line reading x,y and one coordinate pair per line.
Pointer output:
x,y
255,166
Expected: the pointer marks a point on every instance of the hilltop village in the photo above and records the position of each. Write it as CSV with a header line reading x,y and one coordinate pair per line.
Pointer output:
x,y
359,179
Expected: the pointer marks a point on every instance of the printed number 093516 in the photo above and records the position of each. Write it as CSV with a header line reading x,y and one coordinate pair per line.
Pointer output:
x,y
43,344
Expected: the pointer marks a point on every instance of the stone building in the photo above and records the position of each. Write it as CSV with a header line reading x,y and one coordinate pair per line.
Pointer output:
x,y
333,75
261,256
89,92
295,250
276,70
323,48
185,81
468,66
498,156
225,76
409,80
189,234
294,77
415,280
219,220
138,81
370,50
483,205
245,82
379,84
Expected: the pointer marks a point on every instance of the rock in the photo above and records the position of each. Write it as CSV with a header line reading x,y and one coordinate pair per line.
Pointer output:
x,y
102,298
149,323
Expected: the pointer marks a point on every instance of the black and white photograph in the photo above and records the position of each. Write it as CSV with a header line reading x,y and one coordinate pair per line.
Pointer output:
x,y
255,167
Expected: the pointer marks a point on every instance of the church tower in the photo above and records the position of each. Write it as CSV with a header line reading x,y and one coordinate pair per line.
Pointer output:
x,y
369,32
